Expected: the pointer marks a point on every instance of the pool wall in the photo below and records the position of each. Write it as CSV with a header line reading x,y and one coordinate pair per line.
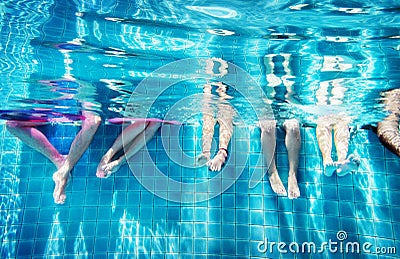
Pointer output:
x,y
117,217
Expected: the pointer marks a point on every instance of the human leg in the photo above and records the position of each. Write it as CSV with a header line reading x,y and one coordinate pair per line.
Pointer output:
x,y
122,141
388,129
225,133
78,147
36,140
389,134
342,135
293,143
324,137
268,140
207,137
133,147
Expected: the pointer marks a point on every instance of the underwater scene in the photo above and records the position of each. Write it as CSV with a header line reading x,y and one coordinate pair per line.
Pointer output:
x,y
200,129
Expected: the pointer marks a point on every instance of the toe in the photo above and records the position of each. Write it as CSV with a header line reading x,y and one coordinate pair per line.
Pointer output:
x,y
100,174
294,194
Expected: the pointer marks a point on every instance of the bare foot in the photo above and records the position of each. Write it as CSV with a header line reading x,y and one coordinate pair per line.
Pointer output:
x,y
216,163
350,165
293,187
203,158
329,168
60,179
104,161
276,184
111,168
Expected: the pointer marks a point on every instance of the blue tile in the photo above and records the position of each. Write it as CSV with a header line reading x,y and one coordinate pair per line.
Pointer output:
x,y
31,215
260,232
214,230
40,247
316,222
331,208
349,225
214,246
46,216
300,220
186,245
393,182
256,201
382,212
384,229
300,205
242,216
315,206
286,235
228,231
380,196
214,215
228,247
270,202
366,227
90,214
200,245
228,215
43,231
173,214
285,204
318,236
34,200
200,230
69,246
346,193
101,245
25,248
27,232
102,229
285,219
346,209
228,201
330,192
345,180
271,218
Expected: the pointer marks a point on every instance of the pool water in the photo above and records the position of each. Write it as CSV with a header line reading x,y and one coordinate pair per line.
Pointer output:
x,y
296,59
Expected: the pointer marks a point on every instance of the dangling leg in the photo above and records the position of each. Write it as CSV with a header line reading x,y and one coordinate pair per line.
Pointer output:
x,y
388,129
78,147
389,134
207,137
268,140
342,136
324,137
134,146
293,142
224,118
208,121
36,140
122,141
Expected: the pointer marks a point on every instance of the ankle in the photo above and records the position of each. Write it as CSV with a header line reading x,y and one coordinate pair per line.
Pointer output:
x,y
223,151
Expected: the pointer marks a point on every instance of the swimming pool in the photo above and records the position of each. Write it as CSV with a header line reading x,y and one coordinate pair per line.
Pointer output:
x,y
297,59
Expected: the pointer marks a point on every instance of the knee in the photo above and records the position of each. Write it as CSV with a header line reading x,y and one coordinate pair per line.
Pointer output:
x,y
267,126
11,125
292,127
92,121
